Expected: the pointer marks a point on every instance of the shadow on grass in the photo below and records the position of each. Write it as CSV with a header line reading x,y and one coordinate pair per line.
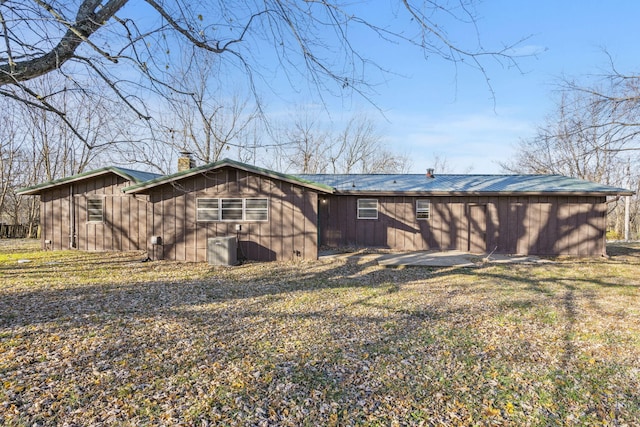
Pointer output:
x,y
361,346
624,251
43,304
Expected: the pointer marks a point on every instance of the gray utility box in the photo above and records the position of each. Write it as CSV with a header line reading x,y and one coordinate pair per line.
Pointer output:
x,y
222,250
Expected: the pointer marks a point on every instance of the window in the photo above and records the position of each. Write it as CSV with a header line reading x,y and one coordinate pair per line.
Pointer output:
x,y
95,210
423,209
254,209
367,209
231,210
207,209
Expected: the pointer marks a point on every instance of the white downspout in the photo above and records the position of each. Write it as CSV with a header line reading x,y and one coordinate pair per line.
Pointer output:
x,y
627,217
72,219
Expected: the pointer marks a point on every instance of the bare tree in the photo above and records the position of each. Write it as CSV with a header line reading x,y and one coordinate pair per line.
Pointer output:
x,y
594,134
615,98
580,139
310,40
441,165
205,119
10,146
37,146
573,141
253,148
359,149
16,165
307,145
97,128
311,146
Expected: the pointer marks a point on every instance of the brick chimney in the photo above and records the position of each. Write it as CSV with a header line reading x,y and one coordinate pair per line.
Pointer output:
x,y
430,173
185,161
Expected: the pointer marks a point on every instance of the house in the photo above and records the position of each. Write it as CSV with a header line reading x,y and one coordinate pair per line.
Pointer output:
x,y
277,216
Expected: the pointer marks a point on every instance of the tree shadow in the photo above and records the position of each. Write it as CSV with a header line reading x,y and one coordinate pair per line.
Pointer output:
x,y
356,270
624,251
228,303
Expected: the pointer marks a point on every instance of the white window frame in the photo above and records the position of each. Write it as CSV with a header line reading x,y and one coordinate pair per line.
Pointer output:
x,y
208,210
423,213
227,211
363,209
91,207
262,210
220,209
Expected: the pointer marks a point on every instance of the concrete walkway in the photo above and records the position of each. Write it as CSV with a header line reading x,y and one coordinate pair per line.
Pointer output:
x,y
452,259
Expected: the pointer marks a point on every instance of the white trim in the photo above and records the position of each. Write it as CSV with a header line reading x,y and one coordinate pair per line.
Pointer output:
x,y
220,209
95,199
423,209
369,209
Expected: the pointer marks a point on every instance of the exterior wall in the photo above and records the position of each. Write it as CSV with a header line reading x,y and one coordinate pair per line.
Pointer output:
x,y
54,218
290,233
548,225
63,214
543,225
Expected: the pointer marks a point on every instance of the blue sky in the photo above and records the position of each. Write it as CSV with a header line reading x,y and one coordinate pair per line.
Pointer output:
x,y
434,112
436,108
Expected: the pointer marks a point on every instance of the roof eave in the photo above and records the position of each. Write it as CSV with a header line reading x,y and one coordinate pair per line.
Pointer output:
x,y
283,177
37,189
226,163
482,193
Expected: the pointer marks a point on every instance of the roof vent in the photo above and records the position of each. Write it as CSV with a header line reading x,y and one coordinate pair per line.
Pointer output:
x,y
430,173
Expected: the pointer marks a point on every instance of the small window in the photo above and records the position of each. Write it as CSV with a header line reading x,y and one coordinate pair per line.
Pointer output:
x,y
231,210
95,210
423,209
207,209
256,209
367,209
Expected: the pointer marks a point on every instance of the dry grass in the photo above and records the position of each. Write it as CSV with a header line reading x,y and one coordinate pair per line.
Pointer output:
x,y
102,339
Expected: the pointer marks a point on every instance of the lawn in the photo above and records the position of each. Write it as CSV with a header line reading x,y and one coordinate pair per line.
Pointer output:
x,y
104,339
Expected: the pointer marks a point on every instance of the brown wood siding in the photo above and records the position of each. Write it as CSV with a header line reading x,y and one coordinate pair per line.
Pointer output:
x,y
477,228
544,225
54,211
311,227
289,233
123,228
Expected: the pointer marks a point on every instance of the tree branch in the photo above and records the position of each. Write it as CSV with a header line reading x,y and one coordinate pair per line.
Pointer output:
x,y
87,22
44,105
113,86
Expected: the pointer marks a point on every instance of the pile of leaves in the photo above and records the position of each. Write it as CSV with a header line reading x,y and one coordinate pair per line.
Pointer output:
x,y
102,339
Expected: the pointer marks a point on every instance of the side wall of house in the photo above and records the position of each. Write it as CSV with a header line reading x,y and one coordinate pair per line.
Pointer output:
x,y
55,209
289,233
63,216
542,225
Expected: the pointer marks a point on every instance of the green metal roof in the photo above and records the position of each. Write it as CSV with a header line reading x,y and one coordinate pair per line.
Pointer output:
x,y
231,163
129,174
462,184
369,183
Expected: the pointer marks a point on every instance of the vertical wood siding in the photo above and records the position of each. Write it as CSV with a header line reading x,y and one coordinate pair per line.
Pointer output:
x,y
300,220
124,226
290,232
542,225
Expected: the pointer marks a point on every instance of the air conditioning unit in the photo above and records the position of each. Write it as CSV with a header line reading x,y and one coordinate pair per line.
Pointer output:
x,y
222,250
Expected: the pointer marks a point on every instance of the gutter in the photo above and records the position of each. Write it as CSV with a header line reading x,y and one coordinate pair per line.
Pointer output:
x,y
481,193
